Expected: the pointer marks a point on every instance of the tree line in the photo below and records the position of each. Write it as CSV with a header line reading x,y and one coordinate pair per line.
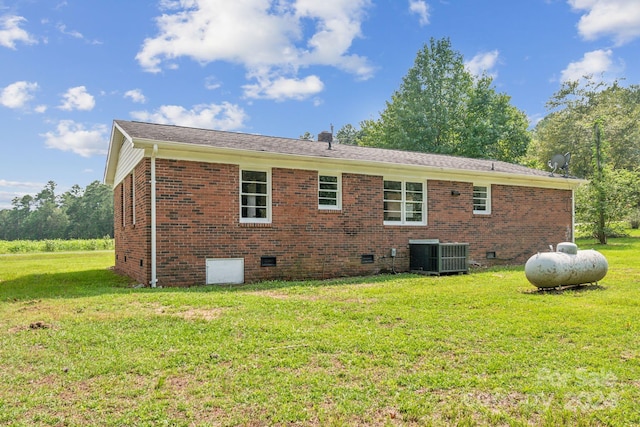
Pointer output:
x,y
76,214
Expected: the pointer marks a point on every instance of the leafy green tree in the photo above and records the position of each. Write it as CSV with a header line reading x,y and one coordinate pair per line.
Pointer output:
x,y
604,202
90,211
441,107
17,217
46,220
98,203
426,112
307,136
569,126
348,135
493,128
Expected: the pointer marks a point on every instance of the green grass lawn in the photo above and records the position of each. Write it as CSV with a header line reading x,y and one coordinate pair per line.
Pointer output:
x,y
79,346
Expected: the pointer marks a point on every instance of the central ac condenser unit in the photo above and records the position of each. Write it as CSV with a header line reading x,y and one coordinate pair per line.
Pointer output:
x,y
433,257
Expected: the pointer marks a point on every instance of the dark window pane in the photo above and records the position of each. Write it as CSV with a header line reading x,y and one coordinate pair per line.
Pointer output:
x,y
414,186
327,194
393,185
392,216
392,195
255,176
328,186
414,197
326,178
328,202
392,206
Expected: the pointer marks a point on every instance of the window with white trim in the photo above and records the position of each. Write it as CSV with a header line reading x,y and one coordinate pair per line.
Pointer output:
x,y
482,199
404,203
255,196
329,191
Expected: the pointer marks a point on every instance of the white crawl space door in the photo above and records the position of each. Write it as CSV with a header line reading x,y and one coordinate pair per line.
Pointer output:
x,y
225,271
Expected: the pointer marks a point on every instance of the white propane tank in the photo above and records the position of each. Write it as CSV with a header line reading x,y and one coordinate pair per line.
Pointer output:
x,y
568,266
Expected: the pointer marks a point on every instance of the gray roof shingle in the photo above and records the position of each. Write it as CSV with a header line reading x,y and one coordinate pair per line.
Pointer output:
x,y
296,147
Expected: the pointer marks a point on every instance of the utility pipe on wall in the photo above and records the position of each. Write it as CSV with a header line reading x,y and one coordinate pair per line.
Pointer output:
x,y
154,278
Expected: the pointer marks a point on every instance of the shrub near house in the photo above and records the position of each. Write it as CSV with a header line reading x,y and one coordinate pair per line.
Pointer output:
x,y
195,206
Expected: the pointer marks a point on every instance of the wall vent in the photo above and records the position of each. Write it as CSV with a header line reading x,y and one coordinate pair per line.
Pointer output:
x,y
366,259
267,261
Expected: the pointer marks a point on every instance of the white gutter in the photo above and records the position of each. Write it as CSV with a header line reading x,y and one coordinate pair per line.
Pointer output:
x,y
154,278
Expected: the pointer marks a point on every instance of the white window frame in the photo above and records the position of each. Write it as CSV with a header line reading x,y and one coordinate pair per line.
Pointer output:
x,y
405,203
251,220
338,191
487,199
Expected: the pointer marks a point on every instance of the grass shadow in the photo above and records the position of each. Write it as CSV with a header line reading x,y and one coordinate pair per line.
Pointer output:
x,y
566,289
75,284
97,282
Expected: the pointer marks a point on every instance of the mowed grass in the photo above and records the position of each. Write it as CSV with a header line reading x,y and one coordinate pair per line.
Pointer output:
x,y
80,346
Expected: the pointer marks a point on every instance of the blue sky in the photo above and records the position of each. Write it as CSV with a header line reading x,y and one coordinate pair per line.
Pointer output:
x,y
68,68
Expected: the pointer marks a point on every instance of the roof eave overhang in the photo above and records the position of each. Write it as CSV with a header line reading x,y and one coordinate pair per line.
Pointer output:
x,y
252,158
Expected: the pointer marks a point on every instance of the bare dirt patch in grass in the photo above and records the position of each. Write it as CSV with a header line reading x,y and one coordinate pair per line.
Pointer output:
x,y
184,312
272,294
199,314
32,326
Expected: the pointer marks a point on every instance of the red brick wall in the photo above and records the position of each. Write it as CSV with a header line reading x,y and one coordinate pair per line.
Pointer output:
x,y
198,218
132,240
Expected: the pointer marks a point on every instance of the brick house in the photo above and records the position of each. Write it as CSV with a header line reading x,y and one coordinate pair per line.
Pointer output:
x,y
197,206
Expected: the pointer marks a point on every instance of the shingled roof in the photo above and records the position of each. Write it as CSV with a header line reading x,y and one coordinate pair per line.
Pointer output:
x,y
296,147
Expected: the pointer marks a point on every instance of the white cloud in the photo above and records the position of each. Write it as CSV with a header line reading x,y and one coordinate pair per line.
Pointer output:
x,y
20,184
136,95
40,109
169,4
73,33
77,98
10,31
282,88
225,116
10,190
592,63
420,8
483,62
618,18
211,83
17,94
265,36
74,137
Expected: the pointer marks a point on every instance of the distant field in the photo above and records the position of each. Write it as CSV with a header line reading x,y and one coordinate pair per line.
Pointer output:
x,y
79,346
55,245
